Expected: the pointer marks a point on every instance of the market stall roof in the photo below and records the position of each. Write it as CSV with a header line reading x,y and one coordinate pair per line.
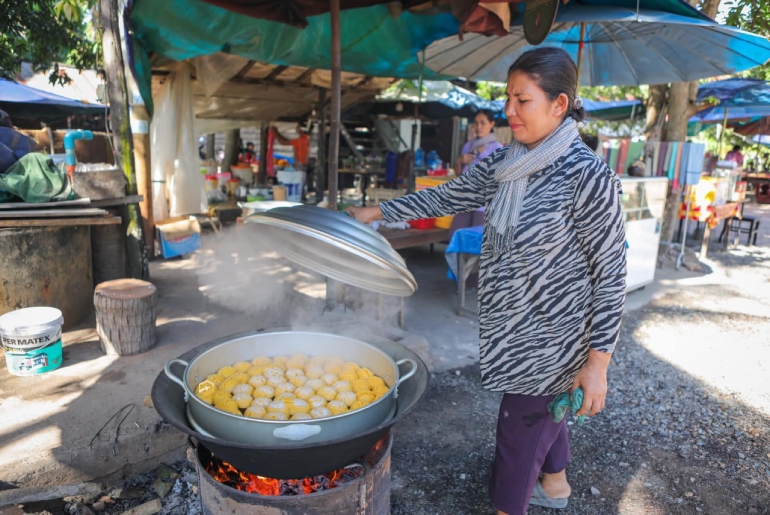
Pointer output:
x,y
82,84
23,101
439,99
260,92
374,44
614,110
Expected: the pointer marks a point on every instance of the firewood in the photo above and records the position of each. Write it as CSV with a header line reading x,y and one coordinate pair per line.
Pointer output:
x,y
36,494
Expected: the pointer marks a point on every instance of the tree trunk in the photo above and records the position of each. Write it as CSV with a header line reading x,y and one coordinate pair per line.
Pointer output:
x,y
681,106
137,265
656,107
125,316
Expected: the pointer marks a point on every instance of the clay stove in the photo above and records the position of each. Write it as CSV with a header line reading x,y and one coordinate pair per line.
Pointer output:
x,y
361,488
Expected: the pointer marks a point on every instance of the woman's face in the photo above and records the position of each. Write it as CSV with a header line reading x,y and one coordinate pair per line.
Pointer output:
x,y
482,125
531,114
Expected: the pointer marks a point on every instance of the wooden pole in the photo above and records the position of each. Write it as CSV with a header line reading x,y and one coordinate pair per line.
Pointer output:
x,y
141,135
137,265
262,175
581,45
210,144
320,172
334,137
722,134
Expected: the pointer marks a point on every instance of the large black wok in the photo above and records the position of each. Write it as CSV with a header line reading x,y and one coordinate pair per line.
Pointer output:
x,y
291,461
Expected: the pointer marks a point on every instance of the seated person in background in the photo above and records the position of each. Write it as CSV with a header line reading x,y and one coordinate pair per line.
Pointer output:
x,y
248,155
480,147
735,155
636,169
300,144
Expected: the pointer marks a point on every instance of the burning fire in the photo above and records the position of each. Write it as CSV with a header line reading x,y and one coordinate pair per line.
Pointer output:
x,y
226,474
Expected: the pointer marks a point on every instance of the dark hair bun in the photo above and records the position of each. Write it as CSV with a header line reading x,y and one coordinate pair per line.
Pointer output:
x,y
577,114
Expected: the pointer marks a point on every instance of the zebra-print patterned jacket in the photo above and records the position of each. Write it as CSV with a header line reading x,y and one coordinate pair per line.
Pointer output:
x,y
560,290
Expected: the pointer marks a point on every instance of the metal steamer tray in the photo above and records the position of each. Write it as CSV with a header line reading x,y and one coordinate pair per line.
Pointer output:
x,y
294,460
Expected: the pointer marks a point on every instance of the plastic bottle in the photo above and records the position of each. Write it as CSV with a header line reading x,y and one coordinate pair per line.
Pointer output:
x,y
419,158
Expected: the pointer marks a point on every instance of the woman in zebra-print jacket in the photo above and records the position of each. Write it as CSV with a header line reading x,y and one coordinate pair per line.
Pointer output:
x,y
552,274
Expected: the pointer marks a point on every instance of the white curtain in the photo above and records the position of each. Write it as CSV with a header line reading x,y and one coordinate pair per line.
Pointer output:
x,y
177,183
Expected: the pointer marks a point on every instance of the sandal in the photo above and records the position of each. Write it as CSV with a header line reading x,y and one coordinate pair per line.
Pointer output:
x,y
540,498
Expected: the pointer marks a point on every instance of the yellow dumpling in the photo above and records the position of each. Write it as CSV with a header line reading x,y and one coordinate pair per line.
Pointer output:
x,y
337,407
226,371
333,369
304,392
280,359
276,380
272,371
242,366
342,386
285,396
276,415
242,388
360,385
313,372
314,384
278,407
284,388
335,361
241,377
217,379
255,371
220,396
301,416
349,366
375,381
206,386
261,361
366,396
379,391
228,405
358,405
364,373
329,379
264,391
261,401
280,365
243,400
298,381
321,412
291,373
257,380
319,361
206,396
229,384
347,397
316,401
327,392
349,376
255,411
298,406
297,361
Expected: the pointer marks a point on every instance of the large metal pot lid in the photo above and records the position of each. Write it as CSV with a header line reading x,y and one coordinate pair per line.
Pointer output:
x,y
336,246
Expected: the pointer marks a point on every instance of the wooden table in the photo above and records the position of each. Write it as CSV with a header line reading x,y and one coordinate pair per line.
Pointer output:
x,y
402,239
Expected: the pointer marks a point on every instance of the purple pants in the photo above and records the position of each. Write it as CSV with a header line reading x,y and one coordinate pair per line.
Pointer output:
x,y
528,442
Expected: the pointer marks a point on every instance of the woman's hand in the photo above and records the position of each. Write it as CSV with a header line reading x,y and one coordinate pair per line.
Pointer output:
x,y
592,378
467,159
365,214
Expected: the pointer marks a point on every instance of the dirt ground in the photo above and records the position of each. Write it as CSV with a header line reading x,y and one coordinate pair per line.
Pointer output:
x,y
686,429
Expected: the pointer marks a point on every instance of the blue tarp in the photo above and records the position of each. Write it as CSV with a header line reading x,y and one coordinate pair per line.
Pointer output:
x,y
23,101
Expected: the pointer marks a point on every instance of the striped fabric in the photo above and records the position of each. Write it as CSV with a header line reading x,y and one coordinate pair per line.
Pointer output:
x,y
560,289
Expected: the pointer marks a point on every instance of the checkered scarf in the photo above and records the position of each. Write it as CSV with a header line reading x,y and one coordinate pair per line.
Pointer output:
x,y
519,164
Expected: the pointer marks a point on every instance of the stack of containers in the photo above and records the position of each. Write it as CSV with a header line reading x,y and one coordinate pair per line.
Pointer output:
x,y
421,183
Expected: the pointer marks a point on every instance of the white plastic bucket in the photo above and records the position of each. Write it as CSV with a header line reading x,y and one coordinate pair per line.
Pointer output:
x,y
31,340
294,182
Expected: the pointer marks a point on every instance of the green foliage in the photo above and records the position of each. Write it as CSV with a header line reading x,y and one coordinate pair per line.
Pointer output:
x,y
46,32
491,90
608,93
753,16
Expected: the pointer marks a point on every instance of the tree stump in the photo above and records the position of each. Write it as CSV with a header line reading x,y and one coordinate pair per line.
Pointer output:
x,y
125,316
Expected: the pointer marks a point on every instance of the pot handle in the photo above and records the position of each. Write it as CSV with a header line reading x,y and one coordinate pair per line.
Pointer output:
x,y
297,432
406,376
175,377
